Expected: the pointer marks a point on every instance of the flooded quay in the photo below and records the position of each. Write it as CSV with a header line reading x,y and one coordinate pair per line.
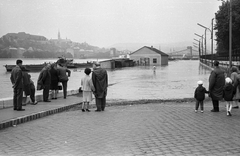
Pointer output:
x,y
177,80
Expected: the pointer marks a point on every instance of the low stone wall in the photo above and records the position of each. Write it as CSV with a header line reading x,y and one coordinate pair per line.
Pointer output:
x,y
8,102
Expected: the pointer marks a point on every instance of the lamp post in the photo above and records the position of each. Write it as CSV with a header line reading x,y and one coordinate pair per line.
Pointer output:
x,y
230,35
199,42
199,48
211,40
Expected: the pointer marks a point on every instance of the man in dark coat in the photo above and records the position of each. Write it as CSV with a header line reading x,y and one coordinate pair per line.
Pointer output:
x,y
100,82
44,82
216,84
17,82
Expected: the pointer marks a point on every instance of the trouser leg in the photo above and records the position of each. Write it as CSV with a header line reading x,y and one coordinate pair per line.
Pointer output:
x,y
32,95
103,103
15,99
98,103
64,84
201,105
197,105
215,105
46,93
19,98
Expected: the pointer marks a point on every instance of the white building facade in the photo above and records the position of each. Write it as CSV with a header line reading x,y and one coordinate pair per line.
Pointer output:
x,y
149,56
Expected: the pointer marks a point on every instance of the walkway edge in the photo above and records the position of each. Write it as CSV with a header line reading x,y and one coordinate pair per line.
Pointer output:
x,y
16,121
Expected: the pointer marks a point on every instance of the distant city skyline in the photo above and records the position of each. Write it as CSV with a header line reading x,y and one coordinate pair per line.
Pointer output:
x,y
107,22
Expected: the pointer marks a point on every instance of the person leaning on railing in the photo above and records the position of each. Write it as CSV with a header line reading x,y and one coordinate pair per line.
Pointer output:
x,y
63,74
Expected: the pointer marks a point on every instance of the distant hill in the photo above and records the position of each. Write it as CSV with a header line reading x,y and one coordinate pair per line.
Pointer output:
x,y
35,46
165,47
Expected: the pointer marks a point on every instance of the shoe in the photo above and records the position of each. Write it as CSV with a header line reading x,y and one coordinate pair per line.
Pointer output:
x,y
236,107
55,98
201,111
20,109
83,110
195,111
88,110
36,102
14,108
47,101
64,97
214,110
229,113
97,110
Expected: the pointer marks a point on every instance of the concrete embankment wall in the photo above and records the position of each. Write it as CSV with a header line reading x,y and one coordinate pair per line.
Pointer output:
x,y
8,102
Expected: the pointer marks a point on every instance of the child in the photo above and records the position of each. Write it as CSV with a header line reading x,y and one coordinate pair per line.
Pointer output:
x,y
87,88
228,93
199,95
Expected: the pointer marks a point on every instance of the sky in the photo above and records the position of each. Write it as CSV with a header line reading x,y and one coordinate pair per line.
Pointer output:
x,y
106,22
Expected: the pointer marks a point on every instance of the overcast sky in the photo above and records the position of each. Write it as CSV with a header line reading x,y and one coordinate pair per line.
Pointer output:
x,y
106,22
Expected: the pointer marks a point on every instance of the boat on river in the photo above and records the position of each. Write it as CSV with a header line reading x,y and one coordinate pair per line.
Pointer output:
x,y
62,61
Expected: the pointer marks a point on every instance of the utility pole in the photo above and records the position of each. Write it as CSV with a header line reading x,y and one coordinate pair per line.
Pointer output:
x,y
230,35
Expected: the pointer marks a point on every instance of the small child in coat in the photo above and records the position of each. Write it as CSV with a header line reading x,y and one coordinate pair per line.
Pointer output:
x,y
199,95
87,88
228,93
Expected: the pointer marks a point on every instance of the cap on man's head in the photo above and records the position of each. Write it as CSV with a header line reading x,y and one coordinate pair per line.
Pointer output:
x,y
200,82
19,62
228,80
96,63
216,63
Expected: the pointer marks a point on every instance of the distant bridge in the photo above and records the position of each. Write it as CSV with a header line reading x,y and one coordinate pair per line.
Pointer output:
x,y
185,53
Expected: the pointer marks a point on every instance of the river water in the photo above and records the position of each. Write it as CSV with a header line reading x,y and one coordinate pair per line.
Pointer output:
x,y
176,80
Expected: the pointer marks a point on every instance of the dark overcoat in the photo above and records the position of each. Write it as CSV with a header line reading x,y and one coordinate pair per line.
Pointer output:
x,y
216,84
17,77
100,82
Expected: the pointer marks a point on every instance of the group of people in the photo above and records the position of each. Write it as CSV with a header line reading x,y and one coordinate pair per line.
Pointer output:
x,y
221,86
49,78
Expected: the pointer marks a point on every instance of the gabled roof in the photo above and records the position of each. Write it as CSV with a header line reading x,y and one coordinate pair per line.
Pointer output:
x,y
153,49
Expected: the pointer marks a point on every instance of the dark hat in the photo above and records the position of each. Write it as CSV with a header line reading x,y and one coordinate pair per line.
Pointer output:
x,y
216,63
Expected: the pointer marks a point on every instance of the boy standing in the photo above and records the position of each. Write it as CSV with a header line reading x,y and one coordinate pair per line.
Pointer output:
x,y
199,95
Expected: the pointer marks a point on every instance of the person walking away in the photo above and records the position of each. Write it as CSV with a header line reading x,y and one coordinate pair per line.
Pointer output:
x,y
26,85
17,85
235,76
44,82
100,83
54,81
87,88
63,77
199,95
216,84
228,93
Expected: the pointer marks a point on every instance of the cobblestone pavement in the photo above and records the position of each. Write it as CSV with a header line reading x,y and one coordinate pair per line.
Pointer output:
x,y
137,130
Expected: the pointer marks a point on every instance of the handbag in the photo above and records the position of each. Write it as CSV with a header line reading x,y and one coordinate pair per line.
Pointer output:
x,y
59,86
80,90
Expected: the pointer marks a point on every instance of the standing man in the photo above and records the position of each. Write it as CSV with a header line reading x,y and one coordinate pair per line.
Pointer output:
x,y
216,84
44,82
100,82
17,84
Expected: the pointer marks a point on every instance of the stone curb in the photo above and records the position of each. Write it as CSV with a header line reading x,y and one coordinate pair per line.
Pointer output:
x,y
34,116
